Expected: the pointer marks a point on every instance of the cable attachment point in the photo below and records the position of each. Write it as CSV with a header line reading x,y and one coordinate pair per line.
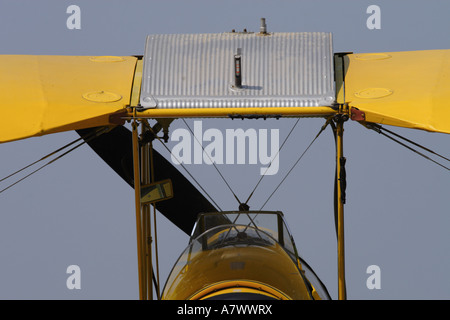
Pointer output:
x,y
150,135
244,207
341,117
373,126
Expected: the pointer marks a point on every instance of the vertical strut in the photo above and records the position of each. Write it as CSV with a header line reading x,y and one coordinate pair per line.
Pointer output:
x,y
152,179
137,197
340,176
339,66
147,234
144,175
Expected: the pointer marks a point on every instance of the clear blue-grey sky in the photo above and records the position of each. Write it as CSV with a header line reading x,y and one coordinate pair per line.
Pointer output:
x,y
78,211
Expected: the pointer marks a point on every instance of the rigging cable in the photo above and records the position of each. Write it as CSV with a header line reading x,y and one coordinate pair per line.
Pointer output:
x,y
41,159
187,171
379,129
259,181
213,163
301,156
262,176
87,138
276,155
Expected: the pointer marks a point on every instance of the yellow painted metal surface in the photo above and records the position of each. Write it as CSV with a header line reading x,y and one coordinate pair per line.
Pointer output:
x,y
47,94
238,286
269,265
226,112
407,89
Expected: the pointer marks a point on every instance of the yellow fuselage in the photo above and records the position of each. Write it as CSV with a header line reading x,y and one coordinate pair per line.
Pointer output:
x,y
267,271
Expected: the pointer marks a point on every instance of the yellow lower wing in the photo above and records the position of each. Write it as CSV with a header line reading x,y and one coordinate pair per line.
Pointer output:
x,y
407,89
47,94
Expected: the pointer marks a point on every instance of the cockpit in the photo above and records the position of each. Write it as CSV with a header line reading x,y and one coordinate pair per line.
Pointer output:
x,y
221,229
252,245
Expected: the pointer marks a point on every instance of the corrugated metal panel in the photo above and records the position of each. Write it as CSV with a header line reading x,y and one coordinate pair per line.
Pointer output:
x,y
278,70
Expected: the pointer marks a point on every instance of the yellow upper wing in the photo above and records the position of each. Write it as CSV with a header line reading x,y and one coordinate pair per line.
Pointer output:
x,y
407,89
47,94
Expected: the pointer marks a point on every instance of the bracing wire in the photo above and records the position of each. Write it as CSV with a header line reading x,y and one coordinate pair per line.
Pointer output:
x,y
86,138
217,169
41,167
379,129
298,160
415,143
276,155
41,159
187,171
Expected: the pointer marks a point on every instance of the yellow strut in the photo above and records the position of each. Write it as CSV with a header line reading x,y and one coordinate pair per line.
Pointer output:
x,y
137,197
227,112
340,208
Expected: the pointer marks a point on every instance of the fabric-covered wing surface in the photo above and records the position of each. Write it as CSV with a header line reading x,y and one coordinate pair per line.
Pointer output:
x,y
407,89
47,94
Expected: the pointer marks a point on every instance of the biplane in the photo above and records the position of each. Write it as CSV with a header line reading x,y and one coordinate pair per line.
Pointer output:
x,y
237,254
